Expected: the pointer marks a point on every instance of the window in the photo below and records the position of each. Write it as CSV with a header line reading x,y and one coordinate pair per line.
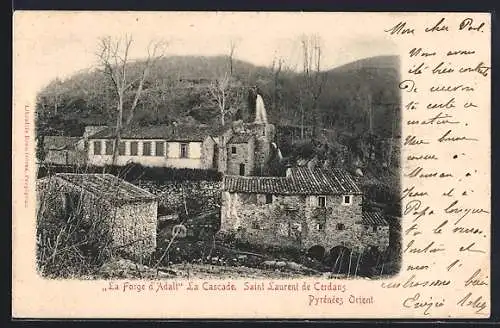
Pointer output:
x,y
340,226
374,228
134,148
320,226
160,148
322,201
269,199
97,147
233,150
121,148
242,169
108,145
146,148
184,150
346,200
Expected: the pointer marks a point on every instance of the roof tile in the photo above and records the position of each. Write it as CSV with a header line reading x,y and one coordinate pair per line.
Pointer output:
x,y
107,186
301,180
59,142
373,218
166,132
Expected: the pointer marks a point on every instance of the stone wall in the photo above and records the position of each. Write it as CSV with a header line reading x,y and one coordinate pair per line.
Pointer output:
x,y
244,155
52,200
261,223
208,153
200,196
222,158
265,134
334,213
377,236
134,227
65,157
298,221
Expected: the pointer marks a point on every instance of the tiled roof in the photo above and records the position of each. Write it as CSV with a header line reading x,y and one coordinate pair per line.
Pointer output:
x,y
107,186
240,138
166,132
299,181
373,218
59,142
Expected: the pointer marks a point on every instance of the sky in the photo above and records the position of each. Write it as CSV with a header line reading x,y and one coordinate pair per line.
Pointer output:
x,y
49,45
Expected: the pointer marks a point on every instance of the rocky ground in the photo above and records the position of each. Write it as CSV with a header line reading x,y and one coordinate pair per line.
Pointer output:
x,y
122,268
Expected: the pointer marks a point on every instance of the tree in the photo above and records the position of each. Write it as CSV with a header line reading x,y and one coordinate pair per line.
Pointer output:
x,y
219,91
113,57
276,69
232,48
313,79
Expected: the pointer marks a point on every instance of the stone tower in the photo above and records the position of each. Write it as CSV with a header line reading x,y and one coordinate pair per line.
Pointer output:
x,y
247,146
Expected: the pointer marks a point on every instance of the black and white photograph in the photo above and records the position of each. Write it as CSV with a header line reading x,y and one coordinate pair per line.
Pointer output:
x,y
230,152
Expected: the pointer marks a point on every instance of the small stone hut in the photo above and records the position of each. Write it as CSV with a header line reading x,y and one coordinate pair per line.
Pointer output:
x,y
126,211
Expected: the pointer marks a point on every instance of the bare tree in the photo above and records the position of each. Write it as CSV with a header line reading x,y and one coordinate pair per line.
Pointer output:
x,y
219,91
113,57
313,78
276,68
233,43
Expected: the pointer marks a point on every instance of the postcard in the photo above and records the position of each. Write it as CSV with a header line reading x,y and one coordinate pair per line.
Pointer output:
x,y
319,165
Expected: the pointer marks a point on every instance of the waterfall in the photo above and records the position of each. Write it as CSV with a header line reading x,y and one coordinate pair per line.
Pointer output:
x,y
278,151
260,110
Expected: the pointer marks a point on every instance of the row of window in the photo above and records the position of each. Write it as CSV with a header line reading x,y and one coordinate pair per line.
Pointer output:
x,y
346,200
321,226
134,148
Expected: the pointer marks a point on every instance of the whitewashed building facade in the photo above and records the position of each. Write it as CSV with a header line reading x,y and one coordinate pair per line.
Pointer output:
x,y
155,146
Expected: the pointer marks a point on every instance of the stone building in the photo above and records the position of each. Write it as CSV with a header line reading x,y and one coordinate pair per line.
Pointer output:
x,y
64,150
308,209
245,148
127,212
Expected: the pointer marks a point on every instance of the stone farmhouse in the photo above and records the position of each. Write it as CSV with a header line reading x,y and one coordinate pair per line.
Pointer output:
x,y
126,212
310,209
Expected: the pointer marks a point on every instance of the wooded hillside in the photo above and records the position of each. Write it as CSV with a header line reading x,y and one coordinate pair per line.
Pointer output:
x,y
177,90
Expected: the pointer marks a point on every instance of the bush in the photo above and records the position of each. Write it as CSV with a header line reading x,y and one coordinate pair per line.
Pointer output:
x,y
70,245
134,172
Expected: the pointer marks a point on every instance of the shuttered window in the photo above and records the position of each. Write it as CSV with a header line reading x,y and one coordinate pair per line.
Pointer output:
x,y
146,148
160,148
121,148
134,148
109,147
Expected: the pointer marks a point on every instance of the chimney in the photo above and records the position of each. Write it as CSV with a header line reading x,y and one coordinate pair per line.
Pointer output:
x,y
288,172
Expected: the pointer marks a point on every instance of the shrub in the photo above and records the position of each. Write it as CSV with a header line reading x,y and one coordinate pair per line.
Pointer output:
x,y
70,244
133,172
